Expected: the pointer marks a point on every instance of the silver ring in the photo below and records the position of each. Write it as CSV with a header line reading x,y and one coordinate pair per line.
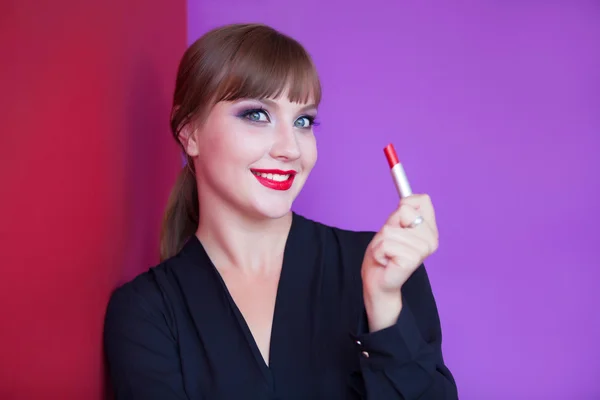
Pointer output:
x,y
418,221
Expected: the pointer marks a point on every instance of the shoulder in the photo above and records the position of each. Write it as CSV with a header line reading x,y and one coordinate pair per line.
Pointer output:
x,y
142,292
147,296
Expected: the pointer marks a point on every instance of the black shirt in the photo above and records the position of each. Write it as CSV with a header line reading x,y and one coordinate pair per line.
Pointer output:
x,y
174,332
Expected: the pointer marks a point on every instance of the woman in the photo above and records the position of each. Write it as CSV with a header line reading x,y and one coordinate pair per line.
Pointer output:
x,y
253,301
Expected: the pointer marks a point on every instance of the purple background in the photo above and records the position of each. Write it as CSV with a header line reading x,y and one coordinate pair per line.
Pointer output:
x,y
494,109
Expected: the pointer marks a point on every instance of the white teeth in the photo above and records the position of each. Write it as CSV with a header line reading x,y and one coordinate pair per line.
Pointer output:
x,y
273,177
280,178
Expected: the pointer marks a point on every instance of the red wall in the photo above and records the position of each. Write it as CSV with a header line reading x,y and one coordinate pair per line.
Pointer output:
x,y
86,163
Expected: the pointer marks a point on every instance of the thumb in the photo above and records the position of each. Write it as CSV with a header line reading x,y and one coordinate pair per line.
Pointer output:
x,y
395,217
405,211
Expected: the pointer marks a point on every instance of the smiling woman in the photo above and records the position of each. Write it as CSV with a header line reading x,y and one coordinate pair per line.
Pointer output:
x,y
251,300
236,70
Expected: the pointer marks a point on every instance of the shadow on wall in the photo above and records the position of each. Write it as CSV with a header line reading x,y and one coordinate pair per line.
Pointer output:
x,y
146,160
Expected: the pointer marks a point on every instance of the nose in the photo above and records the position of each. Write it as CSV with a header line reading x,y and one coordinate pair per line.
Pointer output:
x,y
285,147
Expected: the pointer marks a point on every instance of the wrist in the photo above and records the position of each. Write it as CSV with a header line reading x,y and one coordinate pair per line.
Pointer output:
x,y
382,309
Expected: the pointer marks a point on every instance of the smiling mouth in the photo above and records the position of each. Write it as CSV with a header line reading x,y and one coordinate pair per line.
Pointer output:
x,y
275,179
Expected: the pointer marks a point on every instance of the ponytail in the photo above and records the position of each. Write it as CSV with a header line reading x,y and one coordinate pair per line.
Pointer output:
x,y
180,220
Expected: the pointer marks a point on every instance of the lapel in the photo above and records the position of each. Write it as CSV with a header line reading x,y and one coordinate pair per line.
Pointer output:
x,y
294,320
219,323
210,309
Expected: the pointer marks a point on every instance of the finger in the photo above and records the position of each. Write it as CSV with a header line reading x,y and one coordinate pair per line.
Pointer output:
x,y
410,209
394,218
390,251
407,215
422,240
403,216
422,203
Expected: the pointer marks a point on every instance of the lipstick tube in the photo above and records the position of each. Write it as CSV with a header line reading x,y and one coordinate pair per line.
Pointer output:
x,y
397,171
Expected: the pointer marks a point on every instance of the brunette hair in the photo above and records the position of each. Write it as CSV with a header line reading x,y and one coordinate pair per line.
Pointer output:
x,y
228,63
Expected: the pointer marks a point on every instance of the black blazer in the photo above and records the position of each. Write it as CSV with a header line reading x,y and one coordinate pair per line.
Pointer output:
x,y
174,332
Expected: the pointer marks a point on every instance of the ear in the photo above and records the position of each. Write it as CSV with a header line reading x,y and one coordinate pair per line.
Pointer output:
x,y
188,140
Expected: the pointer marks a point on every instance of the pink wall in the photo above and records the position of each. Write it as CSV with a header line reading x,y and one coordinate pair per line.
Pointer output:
x,y
86,162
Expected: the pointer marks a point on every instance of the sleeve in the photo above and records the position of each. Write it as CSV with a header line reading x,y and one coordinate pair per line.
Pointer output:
x,y
141,352
405,360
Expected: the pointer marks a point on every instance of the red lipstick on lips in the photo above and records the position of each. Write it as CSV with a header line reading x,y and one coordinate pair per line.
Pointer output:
x,y
271,183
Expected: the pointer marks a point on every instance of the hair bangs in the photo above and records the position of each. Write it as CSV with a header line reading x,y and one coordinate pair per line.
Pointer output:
x,y
267,65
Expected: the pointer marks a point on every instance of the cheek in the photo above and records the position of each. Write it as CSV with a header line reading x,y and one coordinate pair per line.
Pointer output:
x,y
216,149
308,149
225,141
253,143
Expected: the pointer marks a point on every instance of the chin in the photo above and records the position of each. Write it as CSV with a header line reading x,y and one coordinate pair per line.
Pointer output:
x,y
271,204
271,208
275,212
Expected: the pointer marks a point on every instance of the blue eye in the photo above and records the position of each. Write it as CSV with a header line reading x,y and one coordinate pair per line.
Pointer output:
x,y
260,115
256,115
304,122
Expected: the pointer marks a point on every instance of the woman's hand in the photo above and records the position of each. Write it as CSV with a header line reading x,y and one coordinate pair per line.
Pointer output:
x,y
407,238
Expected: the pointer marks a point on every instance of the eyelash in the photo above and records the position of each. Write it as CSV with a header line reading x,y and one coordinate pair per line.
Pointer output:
x,y
311,120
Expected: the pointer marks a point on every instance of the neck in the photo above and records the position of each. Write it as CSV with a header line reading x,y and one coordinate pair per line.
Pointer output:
x,y
234,240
